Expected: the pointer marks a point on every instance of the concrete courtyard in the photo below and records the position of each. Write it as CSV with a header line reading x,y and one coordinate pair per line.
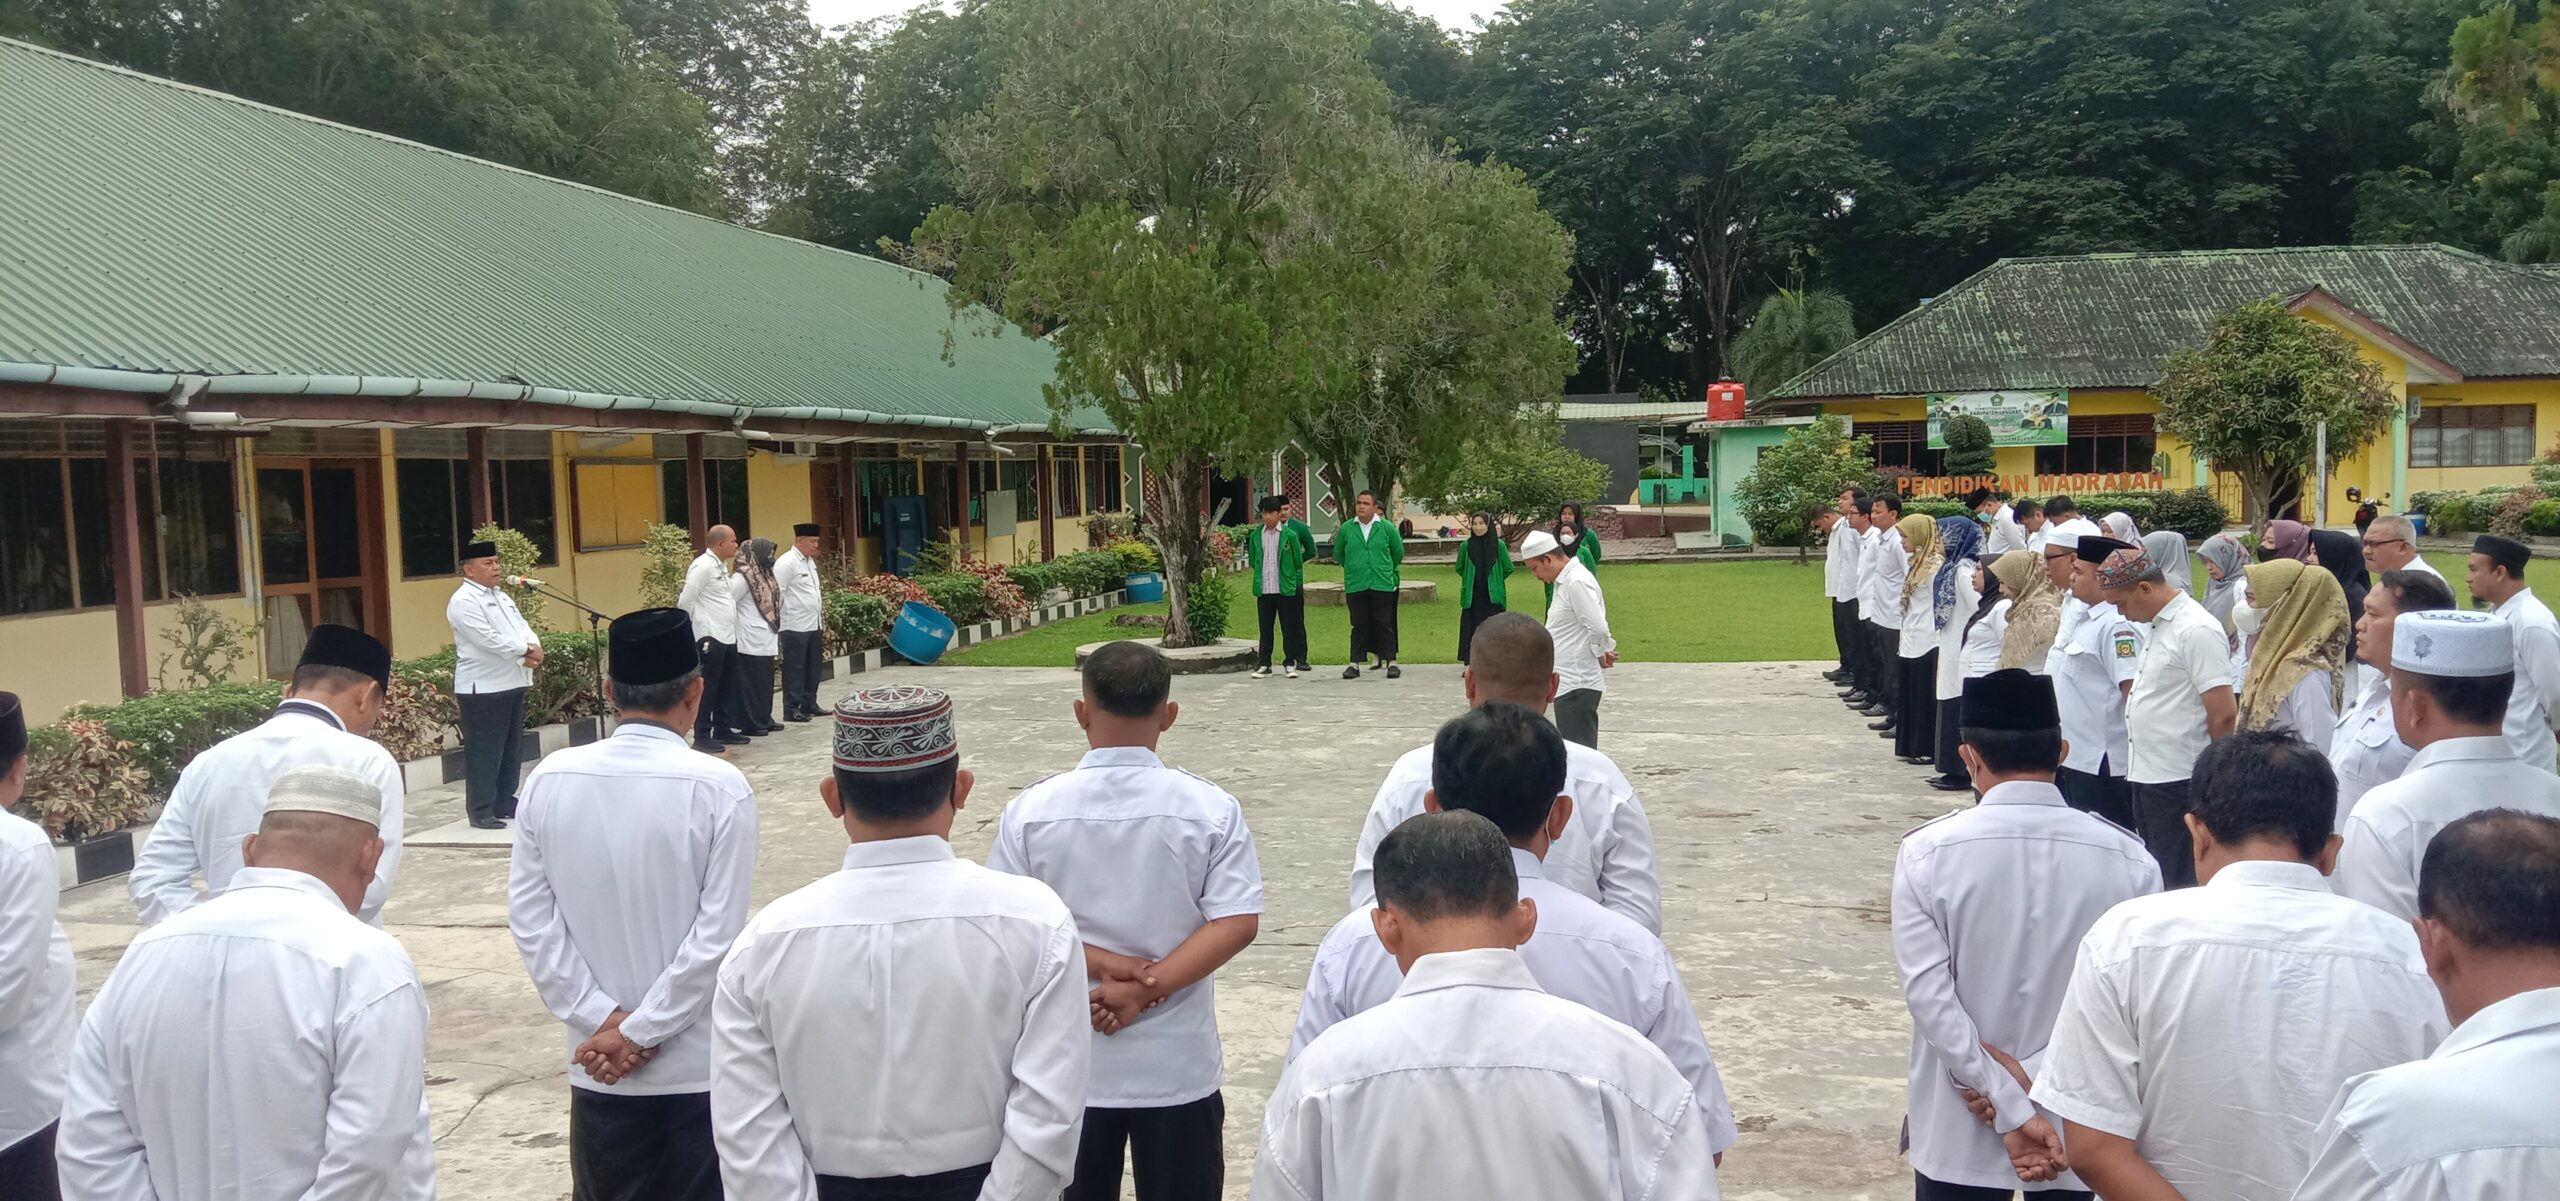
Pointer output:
x,y
1775,814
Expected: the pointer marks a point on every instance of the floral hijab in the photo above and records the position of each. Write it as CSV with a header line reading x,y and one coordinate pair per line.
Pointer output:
x,y
2305,630
1921,533
756,568
2035,609
1959,541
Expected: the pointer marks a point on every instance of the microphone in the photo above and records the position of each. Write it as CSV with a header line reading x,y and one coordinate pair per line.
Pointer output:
x,y
522,581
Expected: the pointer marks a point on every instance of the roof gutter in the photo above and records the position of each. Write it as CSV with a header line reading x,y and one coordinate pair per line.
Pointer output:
x,y
106,379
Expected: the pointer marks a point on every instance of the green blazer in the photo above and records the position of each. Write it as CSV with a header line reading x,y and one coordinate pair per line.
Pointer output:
x,y
1370,563
1297,545
1495,589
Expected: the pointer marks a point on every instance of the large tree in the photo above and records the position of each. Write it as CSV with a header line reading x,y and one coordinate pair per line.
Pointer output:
x,y
1794,329
1128,193
858,152
739,57
2253,398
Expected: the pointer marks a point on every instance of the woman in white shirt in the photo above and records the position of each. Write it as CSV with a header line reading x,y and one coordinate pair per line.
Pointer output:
x,y
1915,730
2297,673
1957,597
759,601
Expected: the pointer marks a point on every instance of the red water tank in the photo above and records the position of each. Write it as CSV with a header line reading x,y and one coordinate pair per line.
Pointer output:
x,y
1724,400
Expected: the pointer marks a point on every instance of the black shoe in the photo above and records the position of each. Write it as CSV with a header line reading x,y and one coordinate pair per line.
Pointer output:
x,y
1872,709
1919,759
507,811
709,746
1857,699
774,728
1951,784
487,823
1394,672
1836,677
1886,733
1886,724
1352,672
802,717
731,738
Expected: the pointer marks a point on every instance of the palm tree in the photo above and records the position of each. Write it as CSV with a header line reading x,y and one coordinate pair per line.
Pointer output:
x,y
1794,329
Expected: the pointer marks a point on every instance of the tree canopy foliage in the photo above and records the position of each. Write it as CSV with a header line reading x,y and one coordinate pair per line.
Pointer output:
x,y
2253,396
1810,467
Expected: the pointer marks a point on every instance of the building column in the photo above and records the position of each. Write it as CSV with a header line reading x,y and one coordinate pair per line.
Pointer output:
x,y
1048,505
960,452
124,551
2400,451
697,499
475,443
849,503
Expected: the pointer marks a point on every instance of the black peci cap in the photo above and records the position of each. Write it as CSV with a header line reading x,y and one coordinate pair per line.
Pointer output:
x,y
350,648
2010,699
479,550
806,529
651,646
13,729
2505,552
2094,548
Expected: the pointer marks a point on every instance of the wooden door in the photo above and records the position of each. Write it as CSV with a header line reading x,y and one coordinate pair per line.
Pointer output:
x,y
319,552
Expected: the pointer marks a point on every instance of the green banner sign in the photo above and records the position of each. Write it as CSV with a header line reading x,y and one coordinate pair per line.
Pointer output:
x,y
2015,418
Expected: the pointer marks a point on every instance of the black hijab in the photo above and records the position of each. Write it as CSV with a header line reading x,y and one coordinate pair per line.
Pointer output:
x,y
1485,549
2343,554
1573,540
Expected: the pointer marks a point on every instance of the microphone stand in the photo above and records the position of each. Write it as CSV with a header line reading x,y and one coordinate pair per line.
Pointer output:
x,y
595,629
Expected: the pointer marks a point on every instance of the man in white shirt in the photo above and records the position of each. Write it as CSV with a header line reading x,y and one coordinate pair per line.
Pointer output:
x,y
36,981
1865,694
2094,654
915,1025
2533,712
1578,621
1884,607
1474,1082
2032,523
629,881
717,724
1159,869
1989,905
2391,544
2180,700
1605,852
329,707
2450,673
266,1043
2206,1029
494,654
1506,762
1840,581
2366,749
2003,533
2480,1117
803,642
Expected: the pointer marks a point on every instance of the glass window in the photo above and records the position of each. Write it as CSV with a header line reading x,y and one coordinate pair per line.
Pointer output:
x,y
1102,479
2460,435
35,543
201,520
435,510
1022,478
724,489
1903,444
2114,443
1066,475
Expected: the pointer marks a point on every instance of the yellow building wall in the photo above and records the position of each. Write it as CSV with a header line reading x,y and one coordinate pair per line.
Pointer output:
x,y
56,660
777,497
2543,394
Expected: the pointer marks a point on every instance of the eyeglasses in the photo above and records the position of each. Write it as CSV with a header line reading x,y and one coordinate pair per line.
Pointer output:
x,y
2374,542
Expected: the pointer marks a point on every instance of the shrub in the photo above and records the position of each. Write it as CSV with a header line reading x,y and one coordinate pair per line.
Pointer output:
x,y
83,781
892,590
2508,521
1036,579
962,597
1525,474
855,621
2190,511
167,729
1794,478
2543,520
669,550
1968,445
1208,606
1104,528
1092,572
939,555
417,714
204,645
516,555
1136,556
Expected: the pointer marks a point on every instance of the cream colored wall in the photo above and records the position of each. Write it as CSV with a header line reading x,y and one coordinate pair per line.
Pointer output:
x,y
56,660
2543,394
777,497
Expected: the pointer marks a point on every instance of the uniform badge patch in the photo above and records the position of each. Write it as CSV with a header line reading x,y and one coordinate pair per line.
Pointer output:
x,y
2124,646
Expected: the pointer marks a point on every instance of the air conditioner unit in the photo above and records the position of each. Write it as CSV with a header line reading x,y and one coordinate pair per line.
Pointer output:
x,y
794,452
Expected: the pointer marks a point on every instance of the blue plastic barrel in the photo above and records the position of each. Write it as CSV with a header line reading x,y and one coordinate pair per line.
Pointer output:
x,y
921,632
2417,522
1145,587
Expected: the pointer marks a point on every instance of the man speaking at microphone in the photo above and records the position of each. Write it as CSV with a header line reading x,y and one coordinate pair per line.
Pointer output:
x,y
494,654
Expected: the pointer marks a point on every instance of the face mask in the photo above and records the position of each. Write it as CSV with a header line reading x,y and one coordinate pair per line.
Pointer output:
x,y
2266,554
2247,619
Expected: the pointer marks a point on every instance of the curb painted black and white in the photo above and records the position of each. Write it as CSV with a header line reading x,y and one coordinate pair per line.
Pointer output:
x,y
112,854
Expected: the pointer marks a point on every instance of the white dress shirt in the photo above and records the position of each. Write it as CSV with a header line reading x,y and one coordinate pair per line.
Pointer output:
x,y
490,640
2533,709
1870,568
1989,906
1144,855
2366,749
2006,533
2186,656
1981,654
1606,852
1474,1082
632,861
1840,562
911,1014
2308,712
1578,621
756,636
1581,952
1893,564
222,796
264,1044
2096,653
2213,1025
2388,833
802,604
36,981
2479,1120
705,599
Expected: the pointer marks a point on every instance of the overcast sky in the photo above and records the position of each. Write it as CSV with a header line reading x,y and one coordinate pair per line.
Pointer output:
x,y
1459,15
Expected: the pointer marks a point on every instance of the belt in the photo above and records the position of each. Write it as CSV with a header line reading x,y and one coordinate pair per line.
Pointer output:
x,y
958,1184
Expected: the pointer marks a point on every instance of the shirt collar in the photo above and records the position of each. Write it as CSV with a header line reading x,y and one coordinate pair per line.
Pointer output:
x,y
643,728
2481,749
297,705
1120,756
1527,866
890,852
2520,1014
285,877
2522,595
2023,792
2270,873
1483,967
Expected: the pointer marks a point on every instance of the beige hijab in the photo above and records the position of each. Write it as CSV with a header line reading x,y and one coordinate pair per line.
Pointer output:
x,y
2305,629
1922,532
2035,610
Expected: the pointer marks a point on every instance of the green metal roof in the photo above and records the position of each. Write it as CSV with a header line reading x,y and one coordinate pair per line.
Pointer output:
x,y
2110,320
160,228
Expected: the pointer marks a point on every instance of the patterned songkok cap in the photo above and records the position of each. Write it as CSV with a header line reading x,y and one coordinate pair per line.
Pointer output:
x,y
2125,568
894,729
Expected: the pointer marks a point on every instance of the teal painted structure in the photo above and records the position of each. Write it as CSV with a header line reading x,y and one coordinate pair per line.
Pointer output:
x,y
1733,449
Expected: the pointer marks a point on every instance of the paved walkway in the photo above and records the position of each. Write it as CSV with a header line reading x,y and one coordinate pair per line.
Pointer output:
x,y
1775,814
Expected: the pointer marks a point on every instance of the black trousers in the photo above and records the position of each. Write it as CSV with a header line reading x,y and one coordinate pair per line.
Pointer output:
x,y
1290,613
719,713
2105,795
1176,1153
958,1184
1844,632
1915,732
1373,624
492,750
2160,816
26,1168
1578,716
1468,619
1925,1189
1885,644
641,1148
802,651
1950,722
755,691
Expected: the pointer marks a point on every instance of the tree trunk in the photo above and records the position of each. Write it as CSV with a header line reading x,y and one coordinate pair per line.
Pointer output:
x,y
1178,538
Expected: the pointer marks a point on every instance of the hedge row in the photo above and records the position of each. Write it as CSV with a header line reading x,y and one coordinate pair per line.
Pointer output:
x,y
2507,509
858,618
2190,511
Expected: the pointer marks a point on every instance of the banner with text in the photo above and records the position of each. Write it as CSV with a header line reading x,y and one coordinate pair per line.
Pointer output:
x,y
2015,418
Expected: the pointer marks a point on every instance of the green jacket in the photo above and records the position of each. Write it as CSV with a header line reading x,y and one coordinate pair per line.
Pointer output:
x,y
1495,589
1297,545
1370,563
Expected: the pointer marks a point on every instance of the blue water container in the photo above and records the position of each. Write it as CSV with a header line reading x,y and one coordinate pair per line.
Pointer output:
x,y
1145,587
921,632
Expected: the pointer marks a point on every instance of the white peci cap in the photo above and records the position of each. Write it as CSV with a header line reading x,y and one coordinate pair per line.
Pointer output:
x,y
2067,534
2453,642
1538,542
318,788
